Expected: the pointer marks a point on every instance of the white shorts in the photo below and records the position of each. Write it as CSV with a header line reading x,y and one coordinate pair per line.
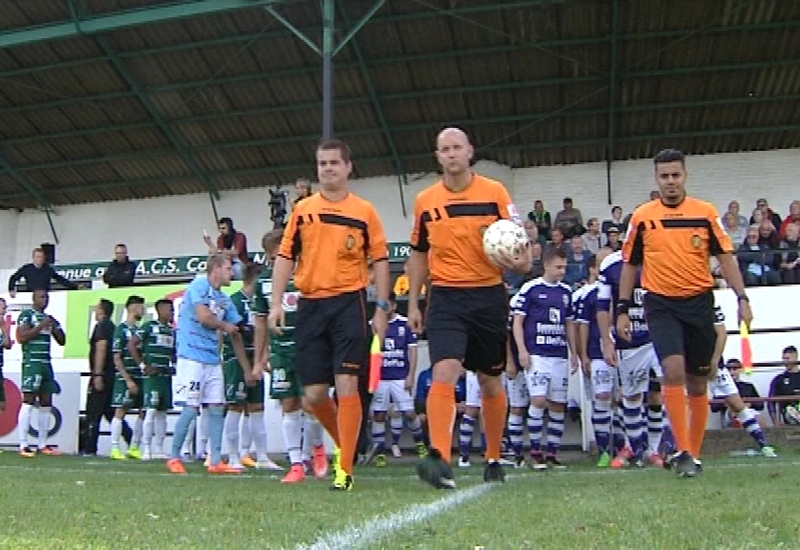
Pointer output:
x,y
634,369
602,378
548,377
517,391
723,386
198,383
392,391
473,391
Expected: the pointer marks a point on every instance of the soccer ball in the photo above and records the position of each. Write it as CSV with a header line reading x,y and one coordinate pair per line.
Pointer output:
x,y
504,236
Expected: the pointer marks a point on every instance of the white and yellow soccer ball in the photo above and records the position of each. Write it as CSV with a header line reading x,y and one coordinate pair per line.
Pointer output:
x,y
504,236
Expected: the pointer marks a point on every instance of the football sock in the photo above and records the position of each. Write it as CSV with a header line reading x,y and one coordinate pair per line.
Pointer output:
x,y
116,432
698,406
466,429
231,429
24,424
216,425
441,407
601,421
675,403
181,429
494,420
258,432
535,428
325,413
655,426
379,436
44,426
349,420
292,425
136,439
555,431
749,422
515,432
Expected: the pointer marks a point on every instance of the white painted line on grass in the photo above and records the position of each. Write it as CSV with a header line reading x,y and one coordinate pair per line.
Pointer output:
x,y
372,530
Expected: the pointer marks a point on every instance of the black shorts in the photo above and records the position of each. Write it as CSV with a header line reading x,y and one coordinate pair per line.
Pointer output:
x,y
332,337
683,326
469,325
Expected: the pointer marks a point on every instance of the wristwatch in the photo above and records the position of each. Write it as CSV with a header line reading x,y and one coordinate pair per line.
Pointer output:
x,y
742,298
382,304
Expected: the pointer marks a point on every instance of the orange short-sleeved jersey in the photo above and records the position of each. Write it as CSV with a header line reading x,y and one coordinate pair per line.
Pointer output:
x,y
332,243
449,226
674,245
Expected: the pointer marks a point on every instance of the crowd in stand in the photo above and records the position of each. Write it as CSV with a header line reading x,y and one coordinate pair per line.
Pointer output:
x,y
767,245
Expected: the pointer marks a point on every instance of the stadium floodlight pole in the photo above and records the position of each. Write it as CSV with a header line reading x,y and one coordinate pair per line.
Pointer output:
x,y
328,50
327,68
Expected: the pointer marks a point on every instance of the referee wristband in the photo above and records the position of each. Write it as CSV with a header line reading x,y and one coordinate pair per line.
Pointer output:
x,y
623,306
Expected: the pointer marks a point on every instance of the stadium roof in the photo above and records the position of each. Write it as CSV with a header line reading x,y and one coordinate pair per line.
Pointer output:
x,y
105,100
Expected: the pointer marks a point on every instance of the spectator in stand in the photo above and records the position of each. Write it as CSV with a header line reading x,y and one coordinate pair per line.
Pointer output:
x,y
768,235
790,261
786,384
541,218
615,221
121,271
537,266
612,238
302,188
38,275
101,366
577,263
754,261
741,219
557,240
736,232
757,217
791,219
767,212
570,220
592,239
533,233
233,244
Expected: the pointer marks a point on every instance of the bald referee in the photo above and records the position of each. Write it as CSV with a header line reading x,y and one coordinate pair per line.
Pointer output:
x,y
672,239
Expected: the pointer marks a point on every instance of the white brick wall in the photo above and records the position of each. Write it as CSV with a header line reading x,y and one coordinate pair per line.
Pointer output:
x,y
174,225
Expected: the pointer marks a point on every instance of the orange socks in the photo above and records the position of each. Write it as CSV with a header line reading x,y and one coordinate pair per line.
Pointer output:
x,y
675,403
325,413
494,420
350,416
699,411
441,409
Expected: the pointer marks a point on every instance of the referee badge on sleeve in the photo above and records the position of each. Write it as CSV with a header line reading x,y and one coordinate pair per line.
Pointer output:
x,y
696,241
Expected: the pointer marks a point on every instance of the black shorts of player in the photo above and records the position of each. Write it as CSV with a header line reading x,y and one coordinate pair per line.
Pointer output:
x,y
683,326
331,337
469,325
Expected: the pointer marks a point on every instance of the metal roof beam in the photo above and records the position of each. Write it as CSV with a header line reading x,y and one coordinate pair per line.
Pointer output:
x,y
162,124
300,71
118,20
612,96
518,46
473,122
402,177
360,100
293,168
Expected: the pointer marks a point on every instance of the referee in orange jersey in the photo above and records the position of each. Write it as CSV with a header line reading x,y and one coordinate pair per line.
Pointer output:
x,y
332,236
467,301
672,239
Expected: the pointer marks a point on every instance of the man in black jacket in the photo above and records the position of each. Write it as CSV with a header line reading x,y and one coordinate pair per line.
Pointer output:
x,y
101,365
121,271
37,275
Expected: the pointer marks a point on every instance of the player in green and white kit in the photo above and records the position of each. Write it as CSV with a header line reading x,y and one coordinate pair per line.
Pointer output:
x,y
239,396
156,339
127,392
285,385
35,328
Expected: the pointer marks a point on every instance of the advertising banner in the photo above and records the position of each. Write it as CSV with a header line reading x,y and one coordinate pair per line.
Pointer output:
x,y
64,423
